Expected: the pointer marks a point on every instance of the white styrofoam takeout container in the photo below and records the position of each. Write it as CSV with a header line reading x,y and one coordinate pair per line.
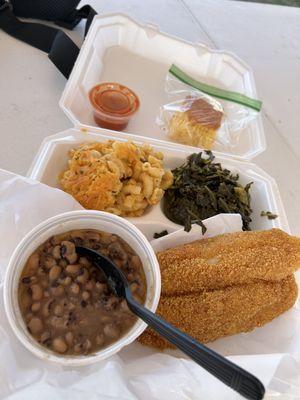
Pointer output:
x,y
119,49
62,223
139,56
52,158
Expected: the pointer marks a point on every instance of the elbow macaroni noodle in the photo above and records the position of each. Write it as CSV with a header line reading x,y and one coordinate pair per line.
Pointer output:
x,y
118,177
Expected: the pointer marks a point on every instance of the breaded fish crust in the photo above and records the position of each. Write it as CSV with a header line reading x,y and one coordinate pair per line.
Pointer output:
x,y
210,315
227,284
229,259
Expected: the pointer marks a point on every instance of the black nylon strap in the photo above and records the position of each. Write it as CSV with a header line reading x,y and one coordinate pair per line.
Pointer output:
x,y
62,51
37,35
76,16
50,10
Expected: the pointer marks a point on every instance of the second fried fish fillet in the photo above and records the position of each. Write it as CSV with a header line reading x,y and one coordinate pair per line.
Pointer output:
x,y
210,315
229,259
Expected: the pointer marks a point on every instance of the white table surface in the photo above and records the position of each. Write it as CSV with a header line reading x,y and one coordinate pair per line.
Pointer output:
x,y
266,37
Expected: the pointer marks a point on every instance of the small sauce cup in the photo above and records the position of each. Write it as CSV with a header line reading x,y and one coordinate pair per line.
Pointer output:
x,y
114,104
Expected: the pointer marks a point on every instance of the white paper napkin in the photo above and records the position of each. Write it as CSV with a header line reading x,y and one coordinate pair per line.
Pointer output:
x,y
271,352
222,223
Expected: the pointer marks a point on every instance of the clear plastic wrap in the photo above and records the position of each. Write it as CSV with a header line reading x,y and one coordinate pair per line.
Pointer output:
x,y
195,118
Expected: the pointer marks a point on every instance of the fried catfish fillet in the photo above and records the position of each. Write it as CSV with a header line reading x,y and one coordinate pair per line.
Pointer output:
x,y
229,259
210,315
227,284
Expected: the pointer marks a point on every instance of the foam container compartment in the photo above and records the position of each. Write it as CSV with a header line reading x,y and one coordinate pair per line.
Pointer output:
x,y
138,55
120,49
52,158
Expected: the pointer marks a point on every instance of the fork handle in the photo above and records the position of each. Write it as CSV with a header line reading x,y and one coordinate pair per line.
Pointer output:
x,y
229,373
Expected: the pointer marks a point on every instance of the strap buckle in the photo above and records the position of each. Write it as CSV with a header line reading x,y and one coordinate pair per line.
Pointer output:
x,y
5,4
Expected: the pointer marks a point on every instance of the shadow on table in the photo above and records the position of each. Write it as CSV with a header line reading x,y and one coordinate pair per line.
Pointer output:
x,y
292,3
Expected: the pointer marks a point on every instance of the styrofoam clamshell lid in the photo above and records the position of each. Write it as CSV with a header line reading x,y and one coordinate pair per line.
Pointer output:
x,y
138,55
52,158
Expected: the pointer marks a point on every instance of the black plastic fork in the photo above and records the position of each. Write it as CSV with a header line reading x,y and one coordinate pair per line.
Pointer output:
x,y
227,372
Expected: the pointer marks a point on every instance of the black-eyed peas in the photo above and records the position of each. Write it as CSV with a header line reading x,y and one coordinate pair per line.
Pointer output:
x,y
35,325
65,300
54,273
36,291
